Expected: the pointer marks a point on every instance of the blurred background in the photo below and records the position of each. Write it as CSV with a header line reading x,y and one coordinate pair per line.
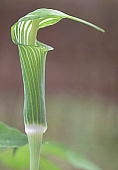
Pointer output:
x,y
81,76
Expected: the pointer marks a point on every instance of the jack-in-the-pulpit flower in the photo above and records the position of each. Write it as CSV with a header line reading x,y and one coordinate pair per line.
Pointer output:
x,y
32,58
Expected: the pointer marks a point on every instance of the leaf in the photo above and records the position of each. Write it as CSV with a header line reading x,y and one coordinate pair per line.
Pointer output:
x,y
48,165
10,137
20,161
21,158
75,159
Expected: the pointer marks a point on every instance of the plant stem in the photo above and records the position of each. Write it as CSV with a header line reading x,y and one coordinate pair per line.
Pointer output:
x,y
35,141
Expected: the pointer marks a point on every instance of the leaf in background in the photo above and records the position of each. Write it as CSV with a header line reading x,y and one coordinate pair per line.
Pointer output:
x,y
20,161
2,150
10,137
75,159
48,165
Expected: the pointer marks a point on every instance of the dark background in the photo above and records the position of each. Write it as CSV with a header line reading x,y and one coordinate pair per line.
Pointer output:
x,y
81,76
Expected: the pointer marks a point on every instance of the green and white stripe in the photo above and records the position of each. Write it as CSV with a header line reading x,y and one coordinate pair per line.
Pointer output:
x,y
33,70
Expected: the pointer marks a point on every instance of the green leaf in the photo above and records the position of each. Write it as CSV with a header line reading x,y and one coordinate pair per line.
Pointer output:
x,y
48,165
20,161
10,137
75,159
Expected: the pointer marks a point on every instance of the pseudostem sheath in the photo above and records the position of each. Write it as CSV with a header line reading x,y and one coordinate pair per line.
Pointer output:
x,y
35,142
32,58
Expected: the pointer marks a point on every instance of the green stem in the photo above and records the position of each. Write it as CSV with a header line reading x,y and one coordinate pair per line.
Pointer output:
x,y
35,141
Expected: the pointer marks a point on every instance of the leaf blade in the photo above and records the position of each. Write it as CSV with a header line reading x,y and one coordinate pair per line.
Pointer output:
x,y
52,148
11,137
22,155
73,158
